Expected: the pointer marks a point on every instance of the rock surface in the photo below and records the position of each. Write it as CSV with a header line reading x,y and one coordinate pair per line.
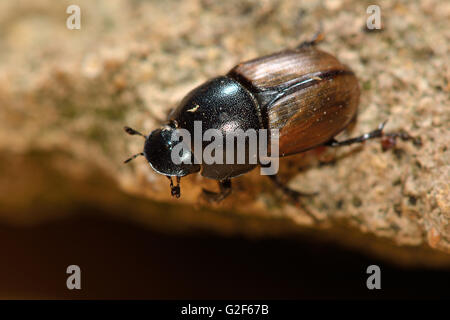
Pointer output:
x,y
65,96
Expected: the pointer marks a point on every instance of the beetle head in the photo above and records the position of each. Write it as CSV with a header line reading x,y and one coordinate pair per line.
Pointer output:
x,y
158,149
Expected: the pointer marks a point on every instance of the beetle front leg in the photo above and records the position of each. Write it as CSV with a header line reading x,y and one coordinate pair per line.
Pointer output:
x,y
175,190
225,191
388,140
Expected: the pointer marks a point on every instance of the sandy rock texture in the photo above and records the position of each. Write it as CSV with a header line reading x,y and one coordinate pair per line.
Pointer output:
x,y
65,96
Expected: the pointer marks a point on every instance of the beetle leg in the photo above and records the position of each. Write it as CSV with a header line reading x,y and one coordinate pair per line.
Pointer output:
x,y
388,139
377,133
294,195
318,37
175,190
225,191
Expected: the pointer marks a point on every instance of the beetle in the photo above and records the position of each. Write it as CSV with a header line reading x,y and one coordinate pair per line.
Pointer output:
x,y
304,92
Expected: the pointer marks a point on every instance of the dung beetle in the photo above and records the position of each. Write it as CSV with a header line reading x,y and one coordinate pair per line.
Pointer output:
x,y
304,92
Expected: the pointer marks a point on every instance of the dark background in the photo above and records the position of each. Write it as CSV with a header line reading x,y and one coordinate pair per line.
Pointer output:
x,y
122,260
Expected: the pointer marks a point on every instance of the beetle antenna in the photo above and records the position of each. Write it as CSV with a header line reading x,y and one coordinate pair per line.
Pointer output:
x,y
132,132
133,157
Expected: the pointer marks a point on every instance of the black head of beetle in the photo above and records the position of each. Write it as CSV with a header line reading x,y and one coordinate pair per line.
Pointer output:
x,y
158,148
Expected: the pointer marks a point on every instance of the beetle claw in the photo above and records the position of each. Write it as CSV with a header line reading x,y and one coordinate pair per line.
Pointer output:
x,y
175,192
